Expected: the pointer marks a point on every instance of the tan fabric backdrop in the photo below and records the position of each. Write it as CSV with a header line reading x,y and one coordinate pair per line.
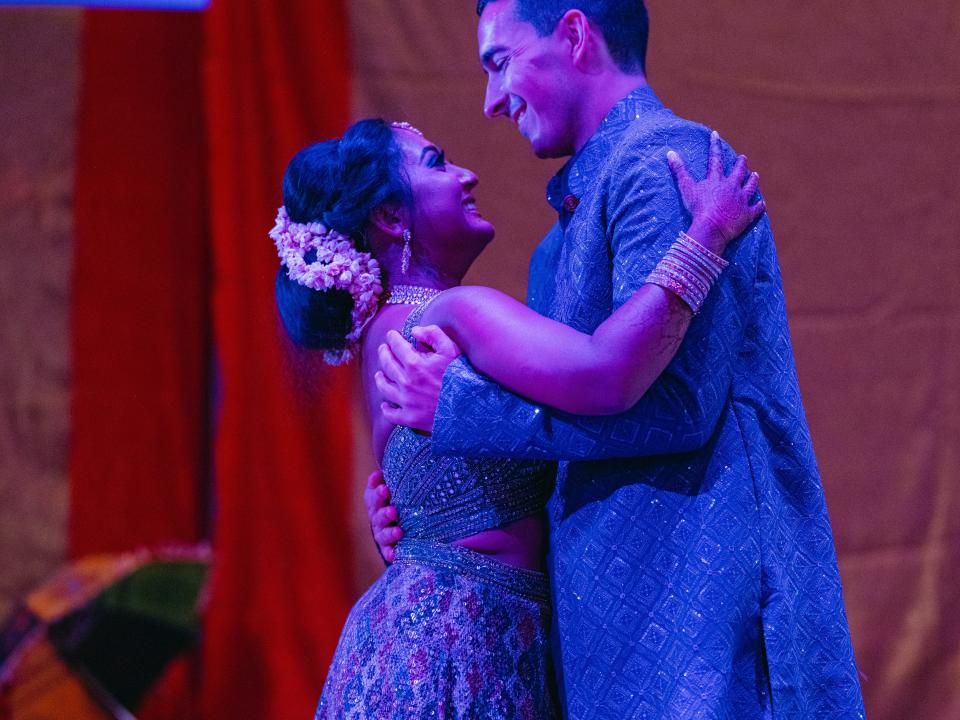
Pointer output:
x,y
38,90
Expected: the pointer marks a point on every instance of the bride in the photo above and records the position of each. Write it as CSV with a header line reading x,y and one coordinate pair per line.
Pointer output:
x,y
375,235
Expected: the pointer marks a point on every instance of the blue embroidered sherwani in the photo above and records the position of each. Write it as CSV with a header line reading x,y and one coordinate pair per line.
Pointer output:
x,y
692,561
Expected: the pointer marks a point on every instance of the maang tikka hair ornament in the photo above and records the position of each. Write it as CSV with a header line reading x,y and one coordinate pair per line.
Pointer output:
x,y
403,125
337,265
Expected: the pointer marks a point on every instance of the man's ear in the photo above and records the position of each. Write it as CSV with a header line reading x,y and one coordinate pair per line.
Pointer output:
x,y
574,28
390,219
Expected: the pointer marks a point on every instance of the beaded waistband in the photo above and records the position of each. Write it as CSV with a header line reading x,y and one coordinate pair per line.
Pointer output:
x,y
530,584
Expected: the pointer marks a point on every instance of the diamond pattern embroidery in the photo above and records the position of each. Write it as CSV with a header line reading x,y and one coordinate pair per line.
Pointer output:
x,y
692,560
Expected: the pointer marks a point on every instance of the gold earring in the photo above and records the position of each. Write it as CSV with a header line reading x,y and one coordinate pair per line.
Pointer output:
x,y
407,252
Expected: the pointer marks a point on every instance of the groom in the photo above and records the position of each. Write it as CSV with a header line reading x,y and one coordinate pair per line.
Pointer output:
x,y
692,561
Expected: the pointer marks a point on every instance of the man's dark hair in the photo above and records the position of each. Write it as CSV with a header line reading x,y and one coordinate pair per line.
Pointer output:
x,y
624,24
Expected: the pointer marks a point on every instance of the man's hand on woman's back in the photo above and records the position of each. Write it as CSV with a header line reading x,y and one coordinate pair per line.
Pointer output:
x,y
382,516
409,379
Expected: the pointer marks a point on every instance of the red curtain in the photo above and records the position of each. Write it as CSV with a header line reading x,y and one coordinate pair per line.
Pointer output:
x,y
276,78
140,324
186,123
140,321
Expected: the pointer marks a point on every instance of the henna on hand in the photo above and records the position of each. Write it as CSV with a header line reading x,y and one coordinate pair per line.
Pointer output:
x,y
720,204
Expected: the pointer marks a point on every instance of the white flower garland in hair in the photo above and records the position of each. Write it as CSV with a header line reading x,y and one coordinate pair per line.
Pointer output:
x,y
338,266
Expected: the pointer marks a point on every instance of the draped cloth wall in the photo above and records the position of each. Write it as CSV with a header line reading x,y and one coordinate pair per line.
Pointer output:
x,y
140,323
276,78
186,124
140,275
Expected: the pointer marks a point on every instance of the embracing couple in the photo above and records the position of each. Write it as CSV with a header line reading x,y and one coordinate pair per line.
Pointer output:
x,y
677,562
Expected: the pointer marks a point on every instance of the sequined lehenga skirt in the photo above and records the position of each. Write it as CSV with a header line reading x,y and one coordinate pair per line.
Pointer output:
x,y
445,633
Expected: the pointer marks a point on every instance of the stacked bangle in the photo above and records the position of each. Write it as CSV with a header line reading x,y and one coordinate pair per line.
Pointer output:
x,y
688,270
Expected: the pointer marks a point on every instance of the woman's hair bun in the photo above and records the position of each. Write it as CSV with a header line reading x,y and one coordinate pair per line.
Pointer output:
x,y
338,183
313,320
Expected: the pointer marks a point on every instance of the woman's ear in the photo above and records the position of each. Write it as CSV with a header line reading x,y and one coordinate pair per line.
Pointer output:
x,y
390,220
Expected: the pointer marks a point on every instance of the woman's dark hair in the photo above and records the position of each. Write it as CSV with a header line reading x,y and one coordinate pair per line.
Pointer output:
x,y
339,183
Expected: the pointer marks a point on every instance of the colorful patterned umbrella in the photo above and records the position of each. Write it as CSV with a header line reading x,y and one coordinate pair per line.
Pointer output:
x,y
88,644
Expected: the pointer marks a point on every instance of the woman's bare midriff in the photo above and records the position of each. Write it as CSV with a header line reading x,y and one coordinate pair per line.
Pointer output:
x,y
520,544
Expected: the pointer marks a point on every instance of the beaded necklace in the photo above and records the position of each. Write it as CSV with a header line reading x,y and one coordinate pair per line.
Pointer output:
x,y
409,295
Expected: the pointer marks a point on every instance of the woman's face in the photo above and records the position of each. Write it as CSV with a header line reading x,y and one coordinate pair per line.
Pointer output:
x,y
446,224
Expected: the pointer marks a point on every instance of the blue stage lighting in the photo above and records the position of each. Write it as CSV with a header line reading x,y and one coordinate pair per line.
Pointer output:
x,y
124,4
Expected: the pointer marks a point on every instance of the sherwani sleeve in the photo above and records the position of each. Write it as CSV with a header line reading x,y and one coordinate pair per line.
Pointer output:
x,y
679,412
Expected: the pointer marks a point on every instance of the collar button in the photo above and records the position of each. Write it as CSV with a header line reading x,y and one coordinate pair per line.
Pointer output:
x,y
570,203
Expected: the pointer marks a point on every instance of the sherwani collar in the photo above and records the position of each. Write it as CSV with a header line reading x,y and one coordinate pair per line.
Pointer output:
x,y
567,187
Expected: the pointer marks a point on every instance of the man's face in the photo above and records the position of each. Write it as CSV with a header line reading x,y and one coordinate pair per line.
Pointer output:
x,y
530,79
